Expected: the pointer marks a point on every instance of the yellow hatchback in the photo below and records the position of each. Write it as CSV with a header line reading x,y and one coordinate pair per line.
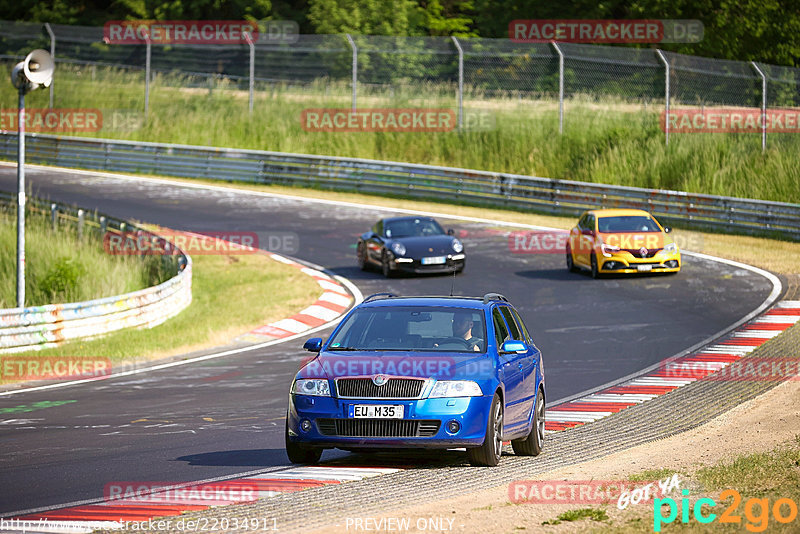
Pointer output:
x,y
621,241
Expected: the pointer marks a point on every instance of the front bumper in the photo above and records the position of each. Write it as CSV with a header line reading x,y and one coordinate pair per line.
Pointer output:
x,y
627,263
453,262
422,415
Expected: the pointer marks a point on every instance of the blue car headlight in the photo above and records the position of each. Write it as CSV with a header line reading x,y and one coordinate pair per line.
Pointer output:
x,y
458,246
399,249
455,388
312,386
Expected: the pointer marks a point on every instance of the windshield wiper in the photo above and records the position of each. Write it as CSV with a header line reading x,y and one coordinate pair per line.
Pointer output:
x,y
343,348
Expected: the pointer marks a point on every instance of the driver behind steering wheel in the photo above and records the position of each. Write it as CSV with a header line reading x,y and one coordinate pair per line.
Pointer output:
x,y
462,328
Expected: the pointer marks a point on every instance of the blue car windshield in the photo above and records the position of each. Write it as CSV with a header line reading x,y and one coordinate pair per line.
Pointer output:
x,y
627,223
413,228
412,329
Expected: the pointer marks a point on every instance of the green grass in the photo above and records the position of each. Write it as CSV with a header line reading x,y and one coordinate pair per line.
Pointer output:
x,y
62,268
648,475
595,514
604,141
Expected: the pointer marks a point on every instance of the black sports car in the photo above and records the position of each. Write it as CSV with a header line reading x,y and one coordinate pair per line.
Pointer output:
x,y
410,244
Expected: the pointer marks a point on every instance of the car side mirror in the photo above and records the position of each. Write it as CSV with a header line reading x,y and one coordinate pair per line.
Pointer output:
x,y
450,231
313,345
667,229
513,346
586,231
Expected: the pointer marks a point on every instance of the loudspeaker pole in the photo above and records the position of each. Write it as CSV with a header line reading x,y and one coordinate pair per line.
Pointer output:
x,y
21,200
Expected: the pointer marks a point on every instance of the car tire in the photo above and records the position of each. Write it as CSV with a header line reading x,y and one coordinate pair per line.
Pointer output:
x,y
570,261
299,454
488,454
595,269
387,272
533,444
361,252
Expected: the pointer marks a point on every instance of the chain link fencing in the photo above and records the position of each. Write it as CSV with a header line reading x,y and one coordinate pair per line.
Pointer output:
x,y
380,71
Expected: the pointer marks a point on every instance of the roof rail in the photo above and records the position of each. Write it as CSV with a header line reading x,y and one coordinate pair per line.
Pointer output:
x,y
488,297
376,296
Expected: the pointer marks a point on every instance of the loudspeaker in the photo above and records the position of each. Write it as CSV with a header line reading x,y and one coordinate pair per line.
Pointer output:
x,y
37,69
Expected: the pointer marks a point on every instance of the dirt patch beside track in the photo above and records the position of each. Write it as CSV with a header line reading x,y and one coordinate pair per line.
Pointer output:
x,y
758,425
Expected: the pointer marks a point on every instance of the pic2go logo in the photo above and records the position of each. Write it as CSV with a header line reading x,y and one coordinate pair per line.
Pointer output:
x,y
756,511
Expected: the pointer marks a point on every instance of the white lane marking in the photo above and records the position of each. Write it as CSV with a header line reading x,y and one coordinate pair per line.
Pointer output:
x,y
315,273
619,397
320,312
335,298
290,325
778,319
757,333
789,304
331,286
566,417
659,381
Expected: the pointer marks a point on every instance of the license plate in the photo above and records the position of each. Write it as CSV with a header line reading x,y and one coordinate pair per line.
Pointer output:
x,y
434,260
644,267
376,411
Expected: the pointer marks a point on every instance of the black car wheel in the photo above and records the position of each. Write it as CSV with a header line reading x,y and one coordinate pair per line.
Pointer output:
x,y
595,270
489,453
299,454
387,271
361,252
570,262
533,444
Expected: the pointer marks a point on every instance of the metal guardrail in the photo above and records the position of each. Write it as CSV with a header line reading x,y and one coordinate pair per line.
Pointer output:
x,y
36,327
561,197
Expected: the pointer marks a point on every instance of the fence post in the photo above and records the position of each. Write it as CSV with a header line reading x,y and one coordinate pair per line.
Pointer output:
x,y
81,219
147,76
460,82
52,55
252,69
355,66
54,214
666,94
560,87
763,106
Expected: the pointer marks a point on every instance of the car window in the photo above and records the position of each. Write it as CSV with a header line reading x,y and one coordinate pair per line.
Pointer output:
x,y
378,228
627,223
582,221
512,325
413,228
590,223
522,326
412,328
500,330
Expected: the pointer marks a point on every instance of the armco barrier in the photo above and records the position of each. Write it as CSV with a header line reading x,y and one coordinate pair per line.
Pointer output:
x,y
37,327
562,197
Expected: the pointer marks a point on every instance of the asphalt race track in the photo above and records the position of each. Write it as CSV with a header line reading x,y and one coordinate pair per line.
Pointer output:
x,y
225,416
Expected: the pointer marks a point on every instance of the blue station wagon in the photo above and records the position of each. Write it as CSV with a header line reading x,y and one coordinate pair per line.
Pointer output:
x,y
421,372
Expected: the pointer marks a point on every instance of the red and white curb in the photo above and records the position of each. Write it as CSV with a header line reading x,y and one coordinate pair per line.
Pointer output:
x,y
334,301
128,513
702,362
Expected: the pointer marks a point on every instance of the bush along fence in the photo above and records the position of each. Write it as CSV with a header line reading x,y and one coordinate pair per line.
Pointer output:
x,y
37,327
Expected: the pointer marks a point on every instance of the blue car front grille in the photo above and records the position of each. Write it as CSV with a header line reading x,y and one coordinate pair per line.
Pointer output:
x,y
378,428
394,388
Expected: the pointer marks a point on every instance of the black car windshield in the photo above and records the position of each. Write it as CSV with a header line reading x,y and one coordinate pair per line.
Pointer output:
x,y
627,223
412,329
413,228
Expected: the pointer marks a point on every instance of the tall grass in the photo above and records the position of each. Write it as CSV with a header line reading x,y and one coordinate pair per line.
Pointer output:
x,y
61,267
604,141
